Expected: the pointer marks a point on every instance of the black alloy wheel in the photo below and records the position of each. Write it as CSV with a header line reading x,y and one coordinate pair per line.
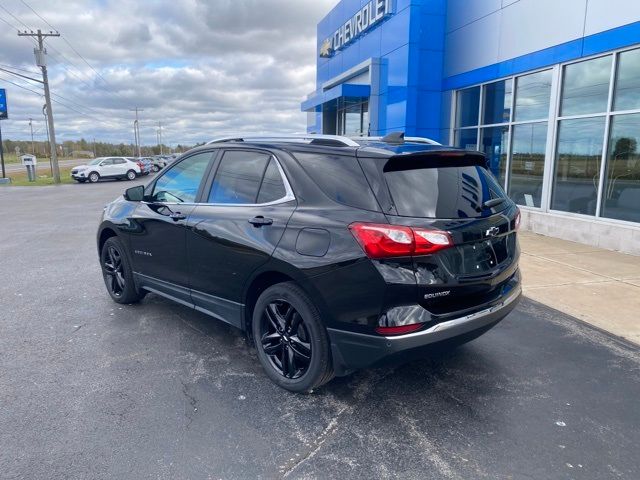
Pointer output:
x,y
114,275
117,273
285,339
291,338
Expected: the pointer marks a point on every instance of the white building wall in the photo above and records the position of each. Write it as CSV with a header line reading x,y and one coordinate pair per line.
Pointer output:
x,y
485,32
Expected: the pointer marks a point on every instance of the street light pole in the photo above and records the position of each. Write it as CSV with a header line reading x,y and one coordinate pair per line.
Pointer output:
x,y
41,61
137,128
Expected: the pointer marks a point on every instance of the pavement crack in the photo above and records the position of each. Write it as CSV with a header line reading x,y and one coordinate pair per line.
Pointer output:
x,y
192,403
329,430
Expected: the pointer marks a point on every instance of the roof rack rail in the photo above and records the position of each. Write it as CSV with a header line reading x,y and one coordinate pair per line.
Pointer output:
x,y
315,139
394,138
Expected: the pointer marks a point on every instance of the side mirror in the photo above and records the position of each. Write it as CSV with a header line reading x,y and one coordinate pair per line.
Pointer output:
x,y
134,194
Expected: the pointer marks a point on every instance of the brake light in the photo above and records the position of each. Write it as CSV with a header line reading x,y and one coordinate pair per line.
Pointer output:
x,y
399,329
384,241
517,220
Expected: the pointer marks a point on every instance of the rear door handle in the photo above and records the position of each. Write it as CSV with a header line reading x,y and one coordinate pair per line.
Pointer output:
x,y
259,221
175,216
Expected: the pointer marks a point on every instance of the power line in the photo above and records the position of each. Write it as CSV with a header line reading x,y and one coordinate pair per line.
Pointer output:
x,y
70,46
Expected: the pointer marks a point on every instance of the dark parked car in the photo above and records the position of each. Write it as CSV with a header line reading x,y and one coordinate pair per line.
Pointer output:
x,y
145,164
331,254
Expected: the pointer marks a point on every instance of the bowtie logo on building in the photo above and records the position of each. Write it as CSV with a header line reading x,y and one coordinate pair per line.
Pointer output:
x,y
370,15
326,50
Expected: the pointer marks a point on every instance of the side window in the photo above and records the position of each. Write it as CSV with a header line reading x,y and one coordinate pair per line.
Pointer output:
x,y
180,183
340,178
272,187
238,177
106,161
119,161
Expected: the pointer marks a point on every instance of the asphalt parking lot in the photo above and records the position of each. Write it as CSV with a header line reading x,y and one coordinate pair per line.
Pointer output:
x,y
92,389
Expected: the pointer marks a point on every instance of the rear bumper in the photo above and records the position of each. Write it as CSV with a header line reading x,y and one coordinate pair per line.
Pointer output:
x,y
353,350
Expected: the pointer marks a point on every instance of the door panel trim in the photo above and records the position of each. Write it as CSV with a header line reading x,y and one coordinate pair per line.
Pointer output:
x,y
226,310
222,309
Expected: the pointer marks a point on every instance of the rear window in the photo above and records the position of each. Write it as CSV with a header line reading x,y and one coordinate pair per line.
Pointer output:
x,y
340,178
444,192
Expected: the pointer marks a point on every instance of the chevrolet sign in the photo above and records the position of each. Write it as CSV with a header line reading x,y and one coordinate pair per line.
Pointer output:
x,y
365,19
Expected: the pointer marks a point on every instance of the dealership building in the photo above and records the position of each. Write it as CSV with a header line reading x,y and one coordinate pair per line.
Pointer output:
x,y
549,90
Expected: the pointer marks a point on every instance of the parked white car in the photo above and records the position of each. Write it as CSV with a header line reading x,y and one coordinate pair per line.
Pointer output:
x,y
106,167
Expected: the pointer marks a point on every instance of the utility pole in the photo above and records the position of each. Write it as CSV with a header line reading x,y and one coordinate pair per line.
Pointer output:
x,y
160,136
41,61
33,147
136,128
44,112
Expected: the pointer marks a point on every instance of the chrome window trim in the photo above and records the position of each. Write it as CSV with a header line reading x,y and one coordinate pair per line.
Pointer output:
x,y
288,197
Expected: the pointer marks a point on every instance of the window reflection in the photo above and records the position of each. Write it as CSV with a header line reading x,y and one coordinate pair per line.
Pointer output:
x,y
494,145
621,197
585,87
527,163
533,93
627,91
497,102
467,139
468,103
579,152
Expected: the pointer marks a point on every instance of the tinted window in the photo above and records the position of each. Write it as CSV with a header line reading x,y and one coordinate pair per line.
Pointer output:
x,y
585,87
181,182
627,94
119,161
497,102
443,192
467,103
272,187
340,178
533,95
238,177
108,161
578,157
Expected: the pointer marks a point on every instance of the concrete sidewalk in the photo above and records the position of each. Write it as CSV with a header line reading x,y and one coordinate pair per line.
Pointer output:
x,y
598,286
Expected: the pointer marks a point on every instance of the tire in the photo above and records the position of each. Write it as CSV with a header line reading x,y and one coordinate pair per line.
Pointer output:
x,y
94,177
278,346
117,273
155,169
131,175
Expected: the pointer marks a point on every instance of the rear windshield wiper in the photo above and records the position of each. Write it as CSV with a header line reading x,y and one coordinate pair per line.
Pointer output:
x,y
494,202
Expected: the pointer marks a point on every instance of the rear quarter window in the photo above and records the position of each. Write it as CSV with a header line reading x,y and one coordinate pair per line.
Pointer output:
x,y
444,192
340,178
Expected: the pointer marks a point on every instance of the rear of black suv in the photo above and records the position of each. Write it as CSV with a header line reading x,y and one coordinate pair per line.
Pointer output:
x,y
413,248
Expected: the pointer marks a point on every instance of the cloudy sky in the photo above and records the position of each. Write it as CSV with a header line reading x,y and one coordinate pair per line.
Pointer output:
x,y
202,67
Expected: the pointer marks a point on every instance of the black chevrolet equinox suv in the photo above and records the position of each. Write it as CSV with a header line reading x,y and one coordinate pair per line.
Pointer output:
x,y
332,254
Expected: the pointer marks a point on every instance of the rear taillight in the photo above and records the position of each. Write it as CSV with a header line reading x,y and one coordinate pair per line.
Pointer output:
x,y
399,329
517,220
384,241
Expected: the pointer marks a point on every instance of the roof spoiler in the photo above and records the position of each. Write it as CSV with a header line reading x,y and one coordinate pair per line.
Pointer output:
x,y
436,158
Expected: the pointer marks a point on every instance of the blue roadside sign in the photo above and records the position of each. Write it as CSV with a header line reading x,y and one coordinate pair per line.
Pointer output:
x,y
3,104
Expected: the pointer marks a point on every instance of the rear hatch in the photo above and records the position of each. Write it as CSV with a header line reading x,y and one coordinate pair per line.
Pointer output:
x,y
451,191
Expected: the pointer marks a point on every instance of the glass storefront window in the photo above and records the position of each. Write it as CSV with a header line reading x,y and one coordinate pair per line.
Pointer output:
x,y
353,117
494,145
529,144
621,196
467,105
533,95
585,87
627,88
577,170
467,138
497,102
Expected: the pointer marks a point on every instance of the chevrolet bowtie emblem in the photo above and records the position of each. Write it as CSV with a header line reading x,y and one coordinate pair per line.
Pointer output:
x,y
326,50
492,232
